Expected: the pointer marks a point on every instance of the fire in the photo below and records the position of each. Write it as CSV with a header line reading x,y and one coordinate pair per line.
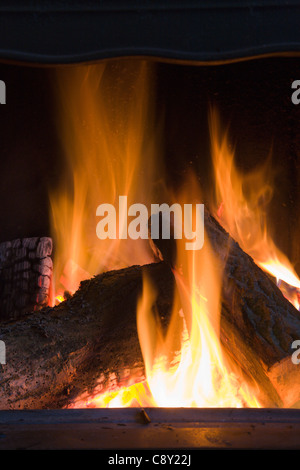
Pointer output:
x,y
109,149
201,376
240,205
186,366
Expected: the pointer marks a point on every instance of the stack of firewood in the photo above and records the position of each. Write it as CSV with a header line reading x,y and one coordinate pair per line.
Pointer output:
x,y
25,276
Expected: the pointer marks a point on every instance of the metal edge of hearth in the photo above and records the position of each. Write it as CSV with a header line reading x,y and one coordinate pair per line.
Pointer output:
x,y
150,428
64,32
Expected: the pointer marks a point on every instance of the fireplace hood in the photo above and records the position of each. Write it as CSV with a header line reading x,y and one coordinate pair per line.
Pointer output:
x,y
208,31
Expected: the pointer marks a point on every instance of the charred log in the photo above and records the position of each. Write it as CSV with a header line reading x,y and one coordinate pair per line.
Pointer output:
x,y
91,339
251,301
81,344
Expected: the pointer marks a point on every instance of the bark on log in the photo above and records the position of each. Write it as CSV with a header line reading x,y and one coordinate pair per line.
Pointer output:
x,y
252,302
60,352
258,324
25,276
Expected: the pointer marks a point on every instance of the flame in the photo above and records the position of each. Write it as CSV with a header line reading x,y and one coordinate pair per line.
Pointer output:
x,y
201,376
240,205
109,150
186,365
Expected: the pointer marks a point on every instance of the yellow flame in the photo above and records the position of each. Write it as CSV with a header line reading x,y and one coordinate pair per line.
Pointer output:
x,y
240,204
185,366
109,150
201,376
110,147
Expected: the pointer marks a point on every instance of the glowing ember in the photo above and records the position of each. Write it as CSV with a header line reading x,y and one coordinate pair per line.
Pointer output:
x,y
59,298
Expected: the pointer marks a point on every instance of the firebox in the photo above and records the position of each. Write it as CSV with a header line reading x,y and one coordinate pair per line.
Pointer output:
x,y
149,249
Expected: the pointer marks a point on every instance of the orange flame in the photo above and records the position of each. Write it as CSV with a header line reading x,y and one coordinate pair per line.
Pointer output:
x,y
240,205
110,150
200,376
186,366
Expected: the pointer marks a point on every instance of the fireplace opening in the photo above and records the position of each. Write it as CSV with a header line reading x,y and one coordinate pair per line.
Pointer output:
x,y
94,312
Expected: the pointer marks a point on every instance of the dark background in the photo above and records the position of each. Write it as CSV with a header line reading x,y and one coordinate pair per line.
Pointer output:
x,y
253,98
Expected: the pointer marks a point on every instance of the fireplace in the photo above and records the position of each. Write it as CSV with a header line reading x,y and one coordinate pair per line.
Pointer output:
x,y
103,323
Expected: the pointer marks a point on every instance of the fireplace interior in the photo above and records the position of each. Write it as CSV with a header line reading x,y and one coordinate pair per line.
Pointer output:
x,y
85,322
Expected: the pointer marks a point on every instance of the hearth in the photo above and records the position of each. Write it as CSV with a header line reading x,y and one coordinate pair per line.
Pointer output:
x,y
149,254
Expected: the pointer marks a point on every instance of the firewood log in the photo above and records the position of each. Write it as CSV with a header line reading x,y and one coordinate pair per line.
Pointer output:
x,y
25,275
80,344
258,324
251,300
89,342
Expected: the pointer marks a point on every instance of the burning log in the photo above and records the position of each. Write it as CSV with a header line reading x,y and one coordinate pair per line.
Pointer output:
x,y
89,343
25,276
251,301
79,344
